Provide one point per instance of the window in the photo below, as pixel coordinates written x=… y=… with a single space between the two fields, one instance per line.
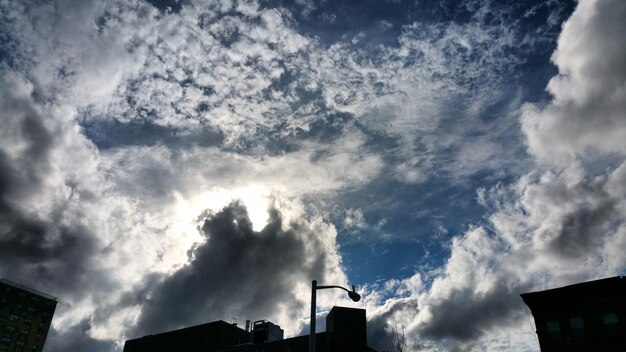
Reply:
x=609 y=318
x=554 y=330
x=553 y=326
x=576 y=323
x=610 y=324
x=578 y=327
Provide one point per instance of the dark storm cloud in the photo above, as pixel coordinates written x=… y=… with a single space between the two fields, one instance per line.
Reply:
x=465 y=315
x=381 y=328
x=42 y=244
x=23 y=235
x=50 y=254
x=25 y=173
x=583 y=229
x=37 y=242
x=239 y=273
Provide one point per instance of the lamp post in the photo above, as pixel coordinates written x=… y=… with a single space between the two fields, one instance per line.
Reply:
x=352 y=294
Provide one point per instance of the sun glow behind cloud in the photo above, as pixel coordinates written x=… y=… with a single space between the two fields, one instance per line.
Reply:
x=190 y=210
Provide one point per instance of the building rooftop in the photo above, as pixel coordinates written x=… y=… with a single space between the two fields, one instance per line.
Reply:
x=345 y=331
x=28 y=289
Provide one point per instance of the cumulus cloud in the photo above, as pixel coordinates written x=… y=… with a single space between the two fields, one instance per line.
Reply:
x=589 y=94
x=243 y=106
x=544 y=231
x=559 y=231
x=49 y=236
x=85 y=237
x=242 y=273
x=556 y=225
x=39 y=195
x=73 y=232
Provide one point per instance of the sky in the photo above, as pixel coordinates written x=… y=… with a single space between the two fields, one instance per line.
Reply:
x=168 y=163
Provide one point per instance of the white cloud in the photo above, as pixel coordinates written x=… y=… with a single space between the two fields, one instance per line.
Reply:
x=589 y=94
x=66 y=226
x=557 y=225
x=128 y=215
x=544 y=232
x=98 y=235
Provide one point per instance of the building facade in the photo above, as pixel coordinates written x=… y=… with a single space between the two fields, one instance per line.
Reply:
x=588 y=316
x=25 y=317
x=345 y=332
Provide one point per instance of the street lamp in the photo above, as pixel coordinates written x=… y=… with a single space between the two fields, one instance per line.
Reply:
x=352 y=294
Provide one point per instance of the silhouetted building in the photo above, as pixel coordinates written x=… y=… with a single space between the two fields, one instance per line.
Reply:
x=588 y=316
x=345 y=332
x=200 y=338
x=25 y=317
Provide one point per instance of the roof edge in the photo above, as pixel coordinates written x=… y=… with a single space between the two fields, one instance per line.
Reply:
x=28 y=289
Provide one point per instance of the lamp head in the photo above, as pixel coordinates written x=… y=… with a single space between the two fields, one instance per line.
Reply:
x=353 y=295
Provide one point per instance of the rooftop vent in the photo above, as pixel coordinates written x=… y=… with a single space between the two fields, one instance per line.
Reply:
x=266 y=331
